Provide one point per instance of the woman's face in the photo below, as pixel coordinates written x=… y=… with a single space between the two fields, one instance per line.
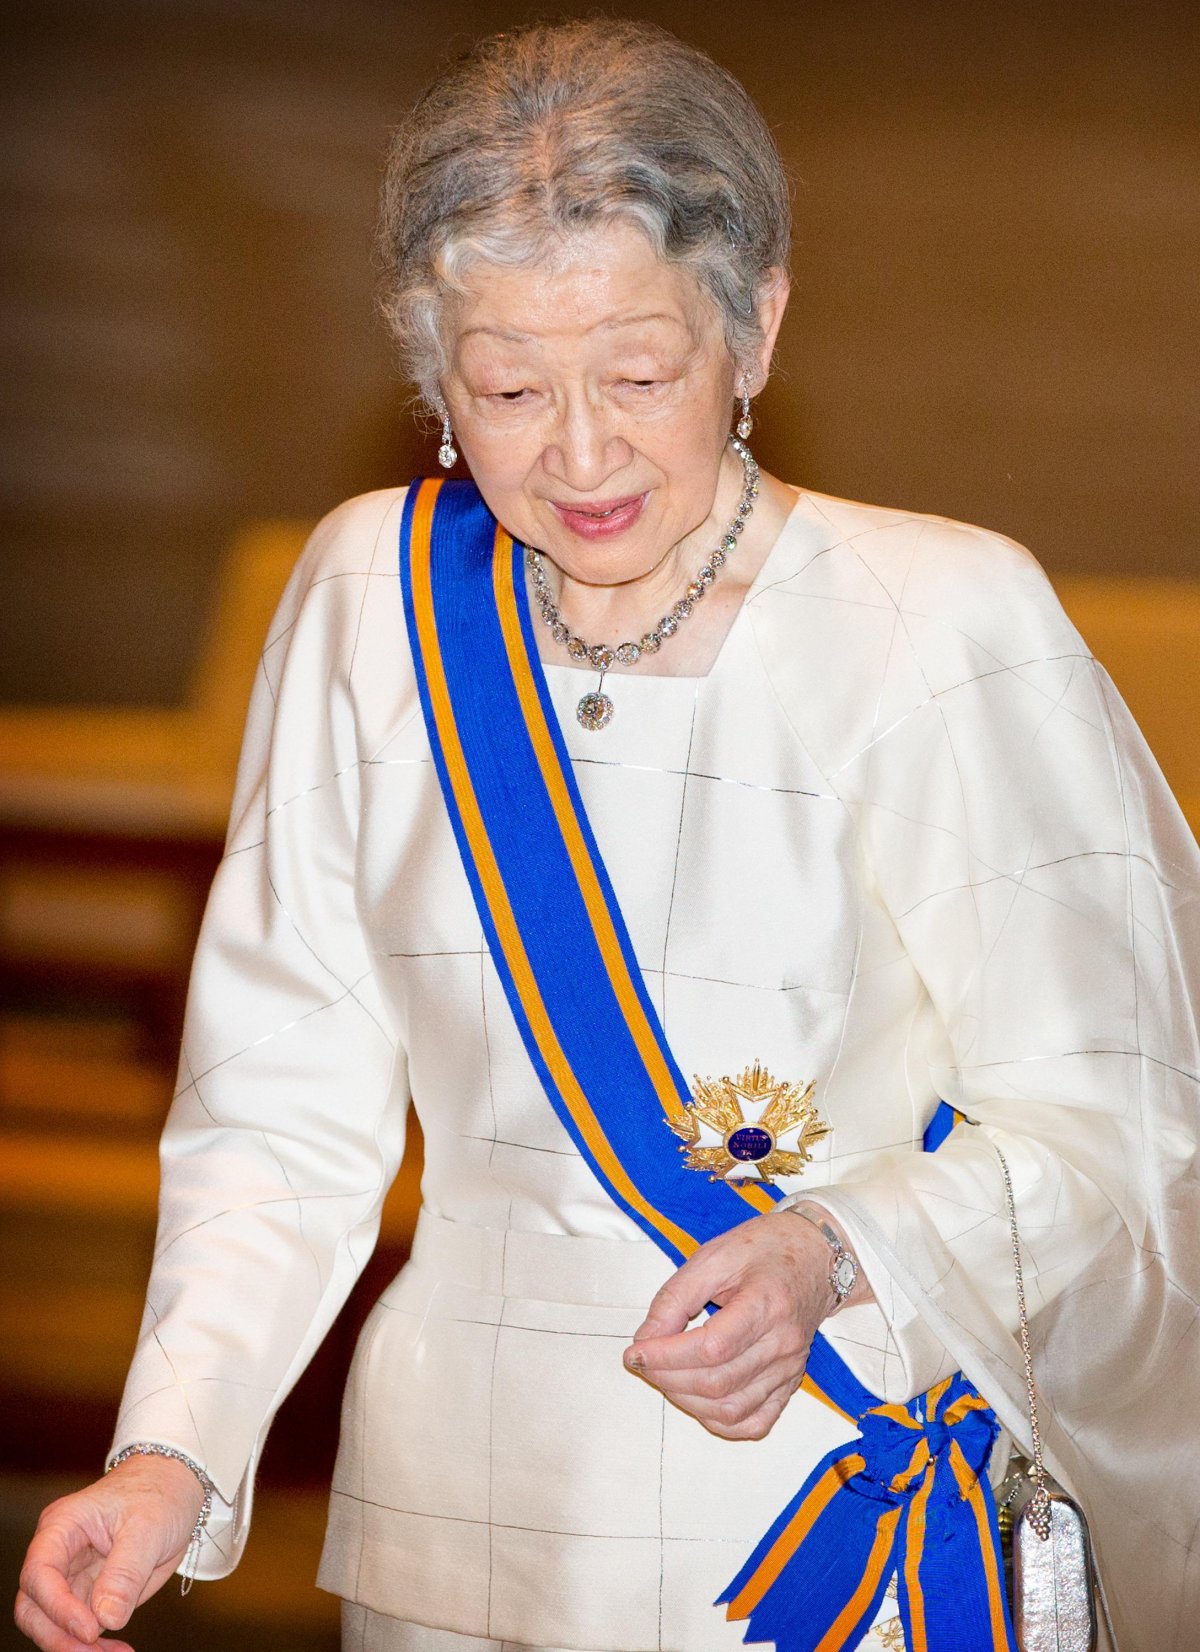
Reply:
x=591 y=397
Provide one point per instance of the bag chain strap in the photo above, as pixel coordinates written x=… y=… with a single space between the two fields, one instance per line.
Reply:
x=1038 y=1507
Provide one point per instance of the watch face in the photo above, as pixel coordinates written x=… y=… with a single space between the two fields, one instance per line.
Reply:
x=845 y=1272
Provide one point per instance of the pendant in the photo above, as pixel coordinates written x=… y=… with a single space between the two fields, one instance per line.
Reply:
x=734 y=1128
x=595 y=711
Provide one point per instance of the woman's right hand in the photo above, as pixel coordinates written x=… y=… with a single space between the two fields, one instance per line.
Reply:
x=101 y=1551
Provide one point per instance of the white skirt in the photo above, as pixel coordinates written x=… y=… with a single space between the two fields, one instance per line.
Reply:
x=502 y=1476
x=367 y=1631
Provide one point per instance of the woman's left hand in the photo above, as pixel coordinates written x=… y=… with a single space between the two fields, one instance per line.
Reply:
x=737 y=1371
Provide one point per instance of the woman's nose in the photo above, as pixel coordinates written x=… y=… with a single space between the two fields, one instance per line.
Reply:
x=585 y=450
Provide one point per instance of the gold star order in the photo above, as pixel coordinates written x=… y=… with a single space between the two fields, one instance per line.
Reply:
x=734 y=1128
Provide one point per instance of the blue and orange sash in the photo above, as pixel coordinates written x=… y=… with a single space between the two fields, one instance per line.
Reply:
x=910 y=1497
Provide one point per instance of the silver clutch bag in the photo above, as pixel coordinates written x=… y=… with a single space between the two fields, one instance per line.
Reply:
x=1054 y=1598
x=1051 y=1581
x=1053 y=1577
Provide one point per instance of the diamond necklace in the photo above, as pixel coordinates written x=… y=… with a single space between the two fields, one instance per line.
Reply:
x=595 y=710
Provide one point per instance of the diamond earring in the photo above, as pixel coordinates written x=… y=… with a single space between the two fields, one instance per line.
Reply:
x=447 y=453
x=745 y=424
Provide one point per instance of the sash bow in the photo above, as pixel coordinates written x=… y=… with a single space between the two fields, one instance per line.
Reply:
x=897 y=1462
x=905 y=1499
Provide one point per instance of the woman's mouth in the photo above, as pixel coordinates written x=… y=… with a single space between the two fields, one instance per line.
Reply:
x=602 y=520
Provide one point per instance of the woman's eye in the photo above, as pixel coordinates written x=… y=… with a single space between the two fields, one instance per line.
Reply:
x=638 y=389
x=507 y=395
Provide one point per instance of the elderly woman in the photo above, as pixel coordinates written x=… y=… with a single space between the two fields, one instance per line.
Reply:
x=644 y=763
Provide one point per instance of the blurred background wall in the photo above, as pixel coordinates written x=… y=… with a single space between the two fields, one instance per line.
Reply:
x=998 y=238
x=995 y=317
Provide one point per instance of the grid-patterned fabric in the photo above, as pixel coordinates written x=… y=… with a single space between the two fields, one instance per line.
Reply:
x=890 y=844
x=367 y=1631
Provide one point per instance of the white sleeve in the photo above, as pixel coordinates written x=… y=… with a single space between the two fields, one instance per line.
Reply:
x=288 y=1125
x=1043 y=882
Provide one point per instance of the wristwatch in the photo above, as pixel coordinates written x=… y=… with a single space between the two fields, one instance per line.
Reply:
x=843 y=1270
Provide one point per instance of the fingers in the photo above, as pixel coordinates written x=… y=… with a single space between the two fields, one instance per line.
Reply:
x=708 y=1276
x=748 y=1414
x=99 y=1551
x=50 y=1636
x=737 y=1371
x=122 y=1580
x=674 y=1307
x=737 y=1410
x=734 y=1375
x=757 y=1425
x=782 y=1351
x=758 y=1312
x=58 y=1553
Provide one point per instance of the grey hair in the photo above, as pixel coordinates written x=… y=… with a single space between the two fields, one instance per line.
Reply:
x=555 y=127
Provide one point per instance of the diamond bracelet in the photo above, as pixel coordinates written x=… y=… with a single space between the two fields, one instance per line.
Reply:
x=145 y=1448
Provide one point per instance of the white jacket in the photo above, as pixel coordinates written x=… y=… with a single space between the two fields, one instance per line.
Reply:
x=902 y=840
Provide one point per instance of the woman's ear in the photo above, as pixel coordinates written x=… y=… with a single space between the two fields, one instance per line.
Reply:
x=772 y=302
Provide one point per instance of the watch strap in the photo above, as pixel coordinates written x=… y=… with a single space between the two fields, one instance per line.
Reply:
x=843 y=1270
